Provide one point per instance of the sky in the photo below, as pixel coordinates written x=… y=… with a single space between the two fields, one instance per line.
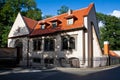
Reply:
x=50 y=7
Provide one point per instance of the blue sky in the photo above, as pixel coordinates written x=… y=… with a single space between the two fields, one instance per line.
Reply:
x=103 y=6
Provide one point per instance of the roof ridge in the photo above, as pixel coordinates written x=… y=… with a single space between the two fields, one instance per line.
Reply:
x=28 y=23
x=29 y=18
x=88 y=8
x=63 y=26
x=61 y=14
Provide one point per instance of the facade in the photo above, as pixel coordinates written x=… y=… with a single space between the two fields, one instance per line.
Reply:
x=68 y=40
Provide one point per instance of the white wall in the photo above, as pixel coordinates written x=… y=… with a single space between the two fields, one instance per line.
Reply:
x=24 y=41
x=19 y=27
x=97 y=51
x=58 y=53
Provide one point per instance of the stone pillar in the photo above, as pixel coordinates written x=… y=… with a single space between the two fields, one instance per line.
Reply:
x=42 y=50
x=57 y=49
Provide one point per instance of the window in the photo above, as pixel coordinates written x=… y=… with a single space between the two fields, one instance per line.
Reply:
x=72 y=43
x=49 y=44
x=37 y=60
x=70 y=21
x=34 y=45
x=68 y=43
x=43 y=26
x=37 y=44
x=64 y=43
x=54 y=24
x=49 y=61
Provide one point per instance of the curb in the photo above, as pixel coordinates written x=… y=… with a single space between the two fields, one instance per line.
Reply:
x=88 y=69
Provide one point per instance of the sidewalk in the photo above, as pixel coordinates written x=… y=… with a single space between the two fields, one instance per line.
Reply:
x=26 y=70
x=87 y=69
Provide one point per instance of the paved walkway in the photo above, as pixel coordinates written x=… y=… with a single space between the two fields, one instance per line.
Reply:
x=25 y=70
x=88 y=69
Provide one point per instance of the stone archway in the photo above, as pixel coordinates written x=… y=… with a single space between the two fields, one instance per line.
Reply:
x=19 y=46
x=74 y=62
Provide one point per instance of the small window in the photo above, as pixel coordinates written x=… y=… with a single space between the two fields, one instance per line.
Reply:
x=70 y=21
x=54 y=24
x=37 y=60
x=43 y=26
x=49 y=61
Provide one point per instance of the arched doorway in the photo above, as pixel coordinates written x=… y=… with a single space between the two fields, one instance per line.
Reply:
x=19 y=46
x=74 y=62
x=62 y=62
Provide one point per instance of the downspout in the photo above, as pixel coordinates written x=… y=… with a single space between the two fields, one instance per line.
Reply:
x=90 y=46
x=84 y=47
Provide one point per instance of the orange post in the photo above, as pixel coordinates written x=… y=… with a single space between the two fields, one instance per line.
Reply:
x=106 y=47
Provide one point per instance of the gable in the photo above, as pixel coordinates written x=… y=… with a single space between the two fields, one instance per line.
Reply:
x=19 y=27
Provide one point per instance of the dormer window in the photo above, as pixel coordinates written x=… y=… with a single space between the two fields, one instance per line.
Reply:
x=43 y=26
x=70 y=21
x=54 y=24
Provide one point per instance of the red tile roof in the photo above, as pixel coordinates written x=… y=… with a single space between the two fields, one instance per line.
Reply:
x=112 y=53
x=30 y=23
x=78 y=23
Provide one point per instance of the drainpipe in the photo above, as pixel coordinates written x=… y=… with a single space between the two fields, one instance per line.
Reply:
x=90 y=47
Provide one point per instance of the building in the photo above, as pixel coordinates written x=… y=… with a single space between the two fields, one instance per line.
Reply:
x=69 y=40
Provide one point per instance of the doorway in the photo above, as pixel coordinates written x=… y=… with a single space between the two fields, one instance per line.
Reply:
x=19 y=46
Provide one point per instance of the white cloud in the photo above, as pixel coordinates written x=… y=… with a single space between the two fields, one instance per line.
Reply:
x=116 y=13
x=100 y=24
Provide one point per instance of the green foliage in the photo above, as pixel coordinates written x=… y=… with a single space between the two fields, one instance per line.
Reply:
x=5 y=36
x=34 y=14
x=2 y=2
x=110 y=30
x=27 y=7
x=62 y=10
x=47 y=16
x=8 y=12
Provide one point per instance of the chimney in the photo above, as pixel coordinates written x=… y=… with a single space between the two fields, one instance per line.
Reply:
x=69 y=12
x=106 y=47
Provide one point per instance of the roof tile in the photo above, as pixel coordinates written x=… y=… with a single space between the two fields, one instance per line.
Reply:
x=30 y=23
x=79 y=23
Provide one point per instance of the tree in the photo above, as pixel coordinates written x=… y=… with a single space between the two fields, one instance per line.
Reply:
x=110 y=30
x=34 y=14
x=47 y=16
x=2 y=2
x=62 y=10
x=9 y=11
x=4 y=36
x=26 y=7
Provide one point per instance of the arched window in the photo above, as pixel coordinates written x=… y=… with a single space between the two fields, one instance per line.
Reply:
x=64 y=43
x=68 y=43
x=72 y=43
